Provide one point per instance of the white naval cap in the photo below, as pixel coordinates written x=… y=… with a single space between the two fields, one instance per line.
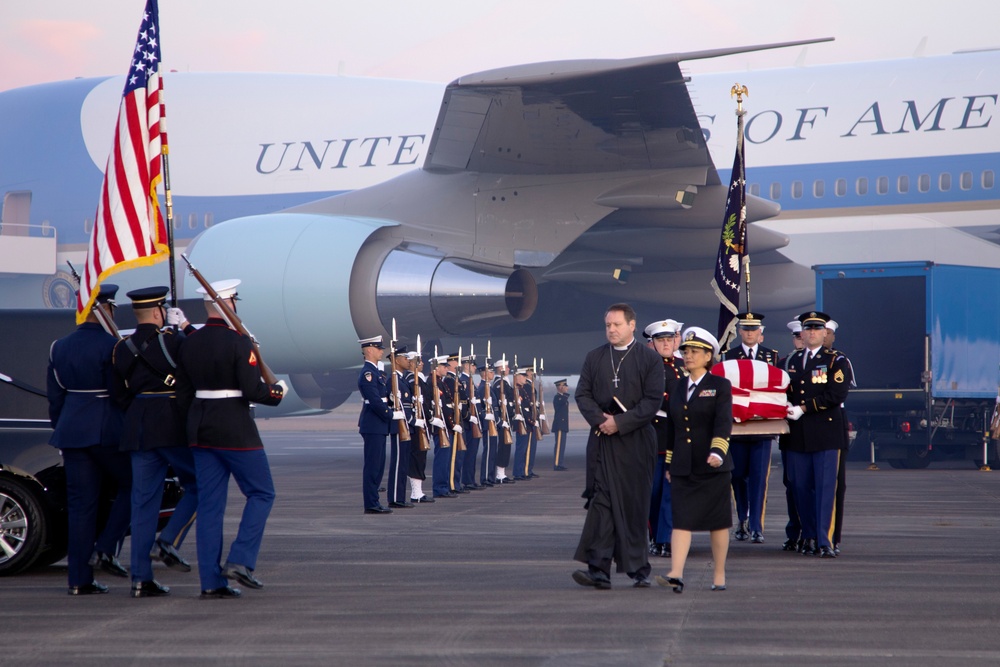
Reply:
x=795 y=326
x=832 y=325
x=698 y=337
x=662 y=328
x=224 y=288
x=412 y=354
x=374 y=341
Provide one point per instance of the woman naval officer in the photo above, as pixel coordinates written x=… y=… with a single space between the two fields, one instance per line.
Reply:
x=698 y=461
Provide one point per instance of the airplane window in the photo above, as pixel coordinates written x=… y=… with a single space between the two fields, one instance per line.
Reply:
x=840 y=187
x=903 y=184
x=862 y=185
x=755 y=189
x=924 y=182
x=988 y=179
x=944 y=182
x=209 y=220
x=796 y=189
x=965 y=180
x=192 y=221
x=882 y=185
x=819 y=188
x=86 y=226
x=775 y=191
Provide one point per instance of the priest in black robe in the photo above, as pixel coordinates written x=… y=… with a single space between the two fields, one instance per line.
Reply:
x=620 y=390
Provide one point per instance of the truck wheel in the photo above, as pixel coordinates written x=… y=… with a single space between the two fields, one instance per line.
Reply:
x=917 y=459
x=22 y=527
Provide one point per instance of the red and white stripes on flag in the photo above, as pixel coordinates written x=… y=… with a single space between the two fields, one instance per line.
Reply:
x=758 y=388
x=128 y=228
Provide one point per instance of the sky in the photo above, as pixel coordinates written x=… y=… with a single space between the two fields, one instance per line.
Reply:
x=440 y=40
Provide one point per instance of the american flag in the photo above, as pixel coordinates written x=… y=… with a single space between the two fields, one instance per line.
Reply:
x=128 y=228
x=758 y=388
x=733 y=254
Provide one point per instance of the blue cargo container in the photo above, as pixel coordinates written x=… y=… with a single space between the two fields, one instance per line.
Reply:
x=924 y=340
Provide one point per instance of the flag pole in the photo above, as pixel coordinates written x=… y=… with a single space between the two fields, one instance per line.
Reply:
x=739 y=91
x=168 y=197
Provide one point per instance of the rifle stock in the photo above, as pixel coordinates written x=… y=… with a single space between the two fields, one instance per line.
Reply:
x=418 y=411
x=438 y=413
x=491 y=425
x=233 y=320
x=459 y=439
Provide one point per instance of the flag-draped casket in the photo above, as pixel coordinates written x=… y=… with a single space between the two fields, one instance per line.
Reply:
x=759 y=398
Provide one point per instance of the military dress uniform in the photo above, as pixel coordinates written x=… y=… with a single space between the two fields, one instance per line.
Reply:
x=470 y=424
x=225 y=376
x=560 y=426
x=488 y=415
x=751 y=462
x=399 y=450
x=661 y=522
x=154 y=436
x=417 y=471
x=522 y=441
x=504 y=393
x=819 y=384
x=87 y=427
x=375 y=423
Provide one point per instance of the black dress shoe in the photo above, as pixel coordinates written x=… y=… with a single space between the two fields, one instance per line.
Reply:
x=149 y=589
x=378 y=509
x=595 y=579
x=742 y=533
x=809 y=548
x=242 y=574
x=533 y=476
x=487 y=483
x=826 y=552
x=422 y=499
x=560 y=468
x=756 y=537
x=221 y=593
x=836 y=548
x=506 y=480
x=520 y=478
x=400 y=504
x=642 y=581
x=446 y=495
x=167 y=554
x=718 y=588
x=667 y=553
x=108 y=563
x=93 y=588
x=655 y=549
x=677 y=584
x=460 y=490
x=790 y=545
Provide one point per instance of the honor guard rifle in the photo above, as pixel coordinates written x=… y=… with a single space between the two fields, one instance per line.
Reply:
x=232 y=319
x=477 y=431
x=397 y=402
x=423 y=443
x=438 y=413
x=504 y=406
x=106 y=321
x=457 y=439
x=543 y=421
x=491 y=424
x=534 y=400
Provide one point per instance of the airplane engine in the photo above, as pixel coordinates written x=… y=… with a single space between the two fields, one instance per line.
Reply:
x=312 y=284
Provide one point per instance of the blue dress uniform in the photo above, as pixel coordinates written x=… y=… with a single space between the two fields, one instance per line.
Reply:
x=87 y=425
x=462 y=399
x=751 y=463
x=491 y=407
x=819 y=384
x=154 y=436
x=534 y=431
x=468 y=477
x=505 y=401
x=441 y=474
x=661 y=522
x=560 y=425
x=225 y=376
x=522 y=441
x=399 y=450
x=417 y=471
x=375 y=423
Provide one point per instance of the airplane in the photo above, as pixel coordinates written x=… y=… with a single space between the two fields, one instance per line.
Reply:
x=513 y=205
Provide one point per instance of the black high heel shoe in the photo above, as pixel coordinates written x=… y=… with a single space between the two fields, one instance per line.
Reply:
x=678 y=584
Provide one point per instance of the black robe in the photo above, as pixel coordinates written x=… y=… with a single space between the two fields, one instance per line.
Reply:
x=621 y=465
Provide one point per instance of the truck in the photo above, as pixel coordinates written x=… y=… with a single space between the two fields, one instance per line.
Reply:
x=924 y=342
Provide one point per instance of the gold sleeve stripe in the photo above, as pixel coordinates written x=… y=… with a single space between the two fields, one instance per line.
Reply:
x=721 y=443
x=670 y=456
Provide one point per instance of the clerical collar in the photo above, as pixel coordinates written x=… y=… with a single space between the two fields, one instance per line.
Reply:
x=622 y=348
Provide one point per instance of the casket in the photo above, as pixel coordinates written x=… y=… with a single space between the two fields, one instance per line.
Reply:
x=759 y=396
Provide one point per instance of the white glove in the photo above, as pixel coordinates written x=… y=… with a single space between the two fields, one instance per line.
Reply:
x=542 y=417
x=474 y=419
x=457 y=429
x=437 y=421
x=795 y=411
x=175 y=316
x=280 y=383
x=489 y=417
x=519 y=418
x=476 y=401
x=398 y=414
x=420 y=423
x=504 y=425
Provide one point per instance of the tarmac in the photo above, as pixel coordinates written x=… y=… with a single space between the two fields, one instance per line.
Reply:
x=484 y=579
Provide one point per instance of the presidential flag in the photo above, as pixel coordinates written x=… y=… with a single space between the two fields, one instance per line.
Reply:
x=733 y=255
x=128 y=228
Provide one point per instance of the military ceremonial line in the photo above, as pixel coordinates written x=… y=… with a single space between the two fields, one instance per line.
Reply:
x=483 y=433
x=665 y=459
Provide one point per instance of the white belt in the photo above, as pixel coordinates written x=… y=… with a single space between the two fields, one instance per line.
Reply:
x=218 y=393
x=384 y=400
x=661 y=413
